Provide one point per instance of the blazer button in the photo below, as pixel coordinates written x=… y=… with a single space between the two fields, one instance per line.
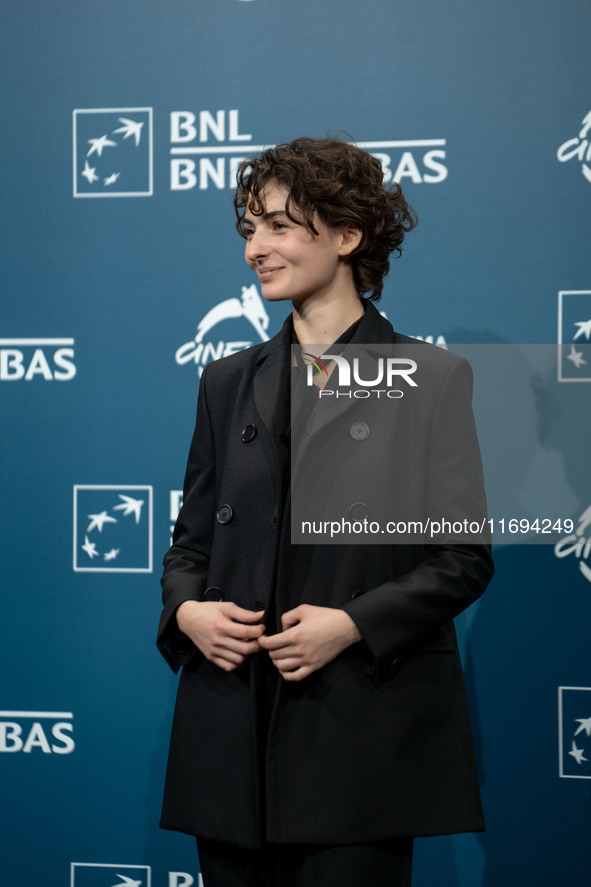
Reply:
x=225 y=514
x=359 y=431
x=248 y=432
x=358 y=511
x=396 y=663
x=357 y=593
x=213 y=593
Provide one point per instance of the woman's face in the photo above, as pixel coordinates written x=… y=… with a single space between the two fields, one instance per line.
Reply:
x=290 y=261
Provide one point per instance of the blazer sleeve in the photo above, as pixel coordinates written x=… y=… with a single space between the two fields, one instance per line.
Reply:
x=186 y=563
x=402 y=615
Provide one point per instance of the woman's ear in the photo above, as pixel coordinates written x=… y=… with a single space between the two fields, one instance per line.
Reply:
x=351 y=235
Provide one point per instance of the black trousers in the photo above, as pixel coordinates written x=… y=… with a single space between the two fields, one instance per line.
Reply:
x=379 y=864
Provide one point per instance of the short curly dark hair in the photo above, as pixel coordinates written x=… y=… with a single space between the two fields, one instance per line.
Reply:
x=342 y=183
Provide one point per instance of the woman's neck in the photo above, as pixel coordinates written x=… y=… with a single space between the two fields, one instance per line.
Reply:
x=323 y=323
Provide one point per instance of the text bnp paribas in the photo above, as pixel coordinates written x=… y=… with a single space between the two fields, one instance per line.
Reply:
x=206 y=148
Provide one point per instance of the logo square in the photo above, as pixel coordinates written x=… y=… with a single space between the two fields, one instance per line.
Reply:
x=574 y=336
x=113 y=529
x=574 y=732
x=112 y=152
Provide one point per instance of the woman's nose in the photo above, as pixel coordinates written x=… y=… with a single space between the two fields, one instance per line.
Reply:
x=256 y=247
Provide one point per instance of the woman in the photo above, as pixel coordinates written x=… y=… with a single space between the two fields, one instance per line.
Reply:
x=321 y=720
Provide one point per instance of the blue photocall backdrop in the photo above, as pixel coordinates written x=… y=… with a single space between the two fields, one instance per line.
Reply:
x=122 y=275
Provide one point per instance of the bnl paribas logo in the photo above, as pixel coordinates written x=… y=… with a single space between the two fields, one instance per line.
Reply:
x=574 y=732
x=112 y=528
x=47 y=732
x=574 y=336
x=112 y=152
x=101 y=874
x=92 y=874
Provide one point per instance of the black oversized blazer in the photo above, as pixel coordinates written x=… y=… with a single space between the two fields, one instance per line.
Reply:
x=377 y=743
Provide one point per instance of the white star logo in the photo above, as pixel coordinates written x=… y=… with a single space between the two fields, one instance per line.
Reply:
x=112 y=178
x=576 y=357
x=127 y=882
x=99 y=521
x=130 y=128
x=584 y=329
x=112 y=554
x=89 y=172
x=578 y=753
x=129 y=506
x=585 y=724
x=89 y=548
x=98 y=145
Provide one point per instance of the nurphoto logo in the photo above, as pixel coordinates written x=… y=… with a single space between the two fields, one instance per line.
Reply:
x=372 y=371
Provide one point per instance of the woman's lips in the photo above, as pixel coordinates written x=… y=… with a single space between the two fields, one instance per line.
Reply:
x=268 y=273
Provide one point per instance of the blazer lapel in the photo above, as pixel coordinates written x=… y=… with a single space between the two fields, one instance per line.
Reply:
x=271 y=385
x=372 y=330
x=270 y=391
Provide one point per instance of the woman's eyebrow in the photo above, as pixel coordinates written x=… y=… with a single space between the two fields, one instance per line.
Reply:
x=274 y=214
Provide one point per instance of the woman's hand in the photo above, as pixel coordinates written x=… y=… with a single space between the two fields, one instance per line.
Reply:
x=311 y=637
x=224 y=632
